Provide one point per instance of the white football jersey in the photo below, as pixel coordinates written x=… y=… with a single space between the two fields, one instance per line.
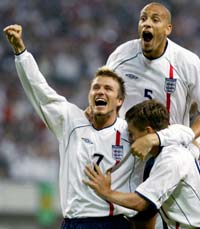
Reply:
x=174 y=187
x=81 y=144
x=173 y=79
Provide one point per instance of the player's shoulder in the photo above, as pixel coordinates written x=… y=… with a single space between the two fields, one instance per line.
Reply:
x=177 y=156
x=177 y=152
x=75 y=114
x=124 y=51
x=182 y=54
x=128 y=46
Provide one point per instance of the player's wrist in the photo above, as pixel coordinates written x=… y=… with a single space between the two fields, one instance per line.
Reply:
x=153 y=139
x=19 y=52
x=19 y=49
x=107 y=194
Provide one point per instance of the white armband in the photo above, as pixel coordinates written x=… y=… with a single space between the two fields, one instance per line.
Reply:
x=176 y=134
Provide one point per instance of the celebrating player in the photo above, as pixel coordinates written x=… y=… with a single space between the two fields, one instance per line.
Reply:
x=153 y=66
x=103 y=140
x=174 y=182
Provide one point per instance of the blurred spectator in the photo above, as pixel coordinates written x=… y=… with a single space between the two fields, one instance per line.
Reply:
x=4 y=167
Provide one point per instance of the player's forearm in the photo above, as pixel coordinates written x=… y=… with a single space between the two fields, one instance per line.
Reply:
x=143 y=145
x=19 y=48
x=174 y=134
x=128 y=200
x=154 y=139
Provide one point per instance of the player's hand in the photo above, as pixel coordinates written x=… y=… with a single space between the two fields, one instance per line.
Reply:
x=143 y=145
x=89 y=114
x=13 y=34
x=98 y=181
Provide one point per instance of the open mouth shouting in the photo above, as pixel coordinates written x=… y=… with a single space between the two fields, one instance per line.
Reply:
x=99 y=102
x=100 y=106
x=147 y=41
x=147 y=36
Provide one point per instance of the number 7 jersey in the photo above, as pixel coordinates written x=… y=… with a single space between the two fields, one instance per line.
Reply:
x=80 y=144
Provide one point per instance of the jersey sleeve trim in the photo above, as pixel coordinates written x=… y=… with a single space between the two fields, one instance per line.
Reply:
x=152 y=205
x=18 y=54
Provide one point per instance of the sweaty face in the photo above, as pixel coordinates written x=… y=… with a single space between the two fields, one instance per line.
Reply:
x=103 y=96
x=154 y=26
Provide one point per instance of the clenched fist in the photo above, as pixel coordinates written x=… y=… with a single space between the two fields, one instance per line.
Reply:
x=14 y=36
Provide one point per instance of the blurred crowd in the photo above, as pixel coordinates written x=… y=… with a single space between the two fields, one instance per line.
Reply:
x=70 y=39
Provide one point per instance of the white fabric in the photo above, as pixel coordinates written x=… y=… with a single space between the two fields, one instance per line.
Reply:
x=78 y=144
x=174 y=184
x=146 y=79
x=176 y=133
x=195 y=150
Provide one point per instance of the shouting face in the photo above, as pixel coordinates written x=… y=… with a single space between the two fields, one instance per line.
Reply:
x=154 y=27
x=104 y=98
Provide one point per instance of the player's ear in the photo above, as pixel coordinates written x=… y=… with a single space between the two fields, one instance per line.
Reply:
x=150 y=130
x=168 y=29
x=120 y=102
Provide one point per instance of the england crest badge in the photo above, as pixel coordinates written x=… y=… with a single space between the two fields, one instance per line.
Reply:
x=170 y=85
x=117 y=152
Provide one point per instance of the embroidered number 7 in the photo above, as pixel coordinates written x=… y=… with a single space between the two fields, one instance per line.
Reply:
x=100 y=158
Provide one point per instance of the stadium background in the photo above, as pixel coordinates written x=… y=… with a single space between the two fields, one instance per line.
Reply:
x=70 y=40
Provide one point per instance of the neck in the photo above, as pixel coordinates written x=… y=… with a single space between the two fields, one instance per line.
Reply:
x=158 y=53
x=155 y=151
x=103 y=121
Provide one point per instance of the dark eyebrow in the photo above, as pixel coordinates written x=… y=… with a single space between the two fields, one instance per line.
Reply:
x=94 y=84
x=108 y=86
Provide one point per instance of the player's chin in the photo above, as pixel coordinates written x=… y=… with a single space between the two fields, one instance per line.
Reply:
x=147 y=46
x=100 y=111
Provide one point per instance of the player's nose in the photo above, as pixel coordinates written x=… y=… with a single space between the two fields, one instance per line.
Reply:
x=147 y=23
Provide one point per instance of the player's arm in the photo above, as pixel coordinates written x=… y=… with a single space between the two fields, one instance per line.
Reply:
x=146 y=218
x=174 y=134
x=47 y=103
x=102 y=186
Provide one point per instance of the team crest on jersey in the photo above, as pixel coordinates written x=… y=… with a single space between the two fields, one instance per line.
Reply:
x=117 y=152
x=170 y=85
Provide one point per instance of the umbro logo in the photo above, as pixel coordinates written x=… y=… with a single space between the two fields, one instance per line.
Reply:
x=87 y=140
x=131 y=76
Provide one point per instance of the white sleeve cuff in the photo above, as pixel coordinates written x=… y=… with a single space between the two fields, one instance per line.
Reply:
x=21 y=56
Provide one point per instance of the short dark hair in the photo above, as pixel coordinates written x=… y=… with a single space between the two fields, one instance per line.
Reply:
x=148 y=113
